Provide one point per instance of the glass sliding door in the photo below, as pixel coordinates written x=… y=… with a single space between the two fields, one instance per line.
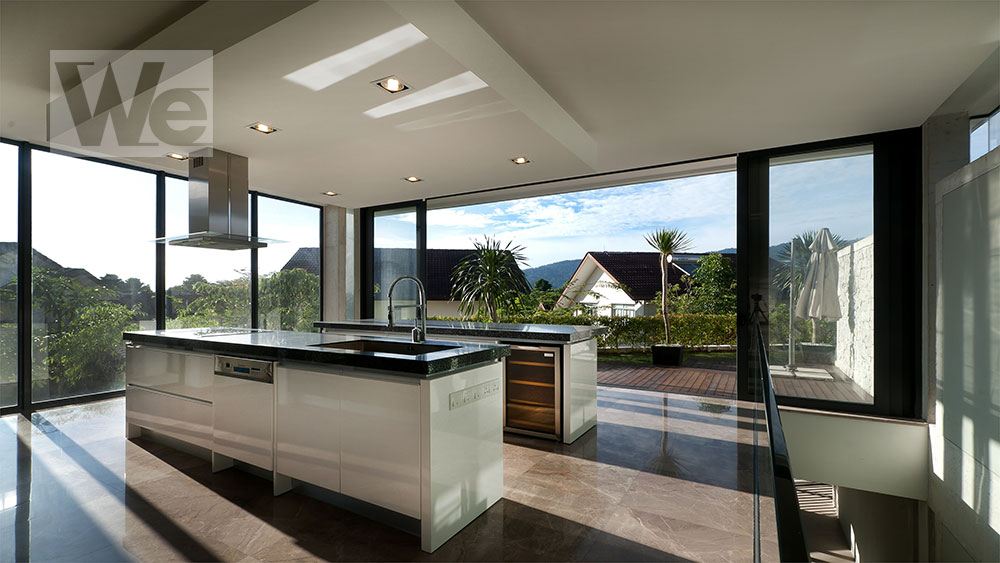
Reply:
x=8 y=274
x=289 y=279
x=395 y=237
x=93 y=269
x=205 y=287
x=821 y=274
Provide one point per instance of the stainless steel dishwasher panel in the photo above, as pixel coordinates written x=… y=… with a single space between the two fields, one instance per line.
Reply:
x=243 y=410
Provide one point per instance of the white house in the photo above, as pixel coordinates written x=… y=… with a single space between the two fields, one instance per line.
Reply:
x=624 y=283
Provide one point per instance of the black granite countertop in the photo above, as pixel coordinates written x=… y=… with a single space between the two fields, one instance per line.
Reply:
x=561 y=334
x=306 y=347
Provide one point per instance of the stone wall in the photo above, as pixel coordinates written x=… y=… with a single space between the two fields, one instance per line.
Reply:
x=856 y=327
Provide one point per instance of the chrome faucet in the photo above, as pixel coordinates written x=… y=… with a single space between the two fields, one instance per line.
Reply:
x=419 y=331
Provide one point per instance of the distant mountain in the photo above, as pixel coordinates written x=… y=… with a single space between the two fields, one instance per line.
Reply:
x=557 y=273
x=771 y=251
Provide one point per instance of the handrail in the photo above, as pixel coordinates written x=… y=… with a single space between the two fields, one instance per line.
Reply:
x=788 y=520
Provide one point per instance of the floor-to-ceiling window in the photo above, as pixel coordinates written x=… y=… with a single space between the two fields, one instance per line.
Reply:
x=205 y=286
x=288 y=286
x=93 y=269
x=8 y=274
x=822 y=276
x=395 y=243
x=831 y=236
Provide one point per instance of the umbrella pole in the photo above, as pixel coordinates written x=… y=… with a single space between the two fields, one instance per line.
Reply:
x=791 y=306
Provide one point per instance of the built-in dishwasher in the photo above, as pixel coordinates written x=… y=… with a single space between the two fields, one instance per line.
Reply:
x=532 y=391
x=243 y=411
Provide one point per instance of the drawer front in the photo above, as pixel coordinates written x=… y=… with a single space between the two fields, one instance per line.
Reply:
x=184 y=419
x=182 y=373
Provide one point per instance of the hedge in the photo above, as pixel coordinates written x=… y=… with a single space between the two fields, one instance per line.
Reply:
x=629 y=332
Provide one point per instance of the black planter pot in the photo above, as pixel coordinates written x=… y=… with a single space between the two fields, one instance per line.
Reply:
x=667 y=354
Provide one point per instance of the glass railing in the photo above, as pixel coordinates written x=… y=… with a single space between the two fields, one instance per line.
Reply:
x=778 y=529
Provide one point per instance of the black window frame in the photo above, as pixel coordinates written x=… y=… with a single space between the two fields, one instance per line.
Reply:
x=25 y=405
x=898 y=231
x=366 y=241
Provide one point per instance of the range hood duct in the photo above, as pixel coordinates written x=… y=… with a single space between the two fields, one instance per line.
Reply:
x=218 y=188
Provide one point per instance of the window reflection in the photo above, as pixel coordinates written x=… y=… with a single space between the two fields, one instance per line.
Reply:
x=821 y=322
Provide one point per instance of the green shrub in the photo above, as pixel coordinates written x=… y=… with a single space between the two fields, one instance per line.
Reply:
x=627 y=332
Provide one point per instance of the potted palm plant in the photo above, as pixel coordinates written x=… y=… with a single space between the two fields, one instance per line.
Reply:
x=667 y=242
x=489 y=279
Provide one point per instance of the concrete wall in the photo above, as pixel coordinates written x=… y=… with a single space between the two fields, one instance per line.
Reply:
x=879 y=527
x=879 y=455
x=856 y=327
x=964 y=485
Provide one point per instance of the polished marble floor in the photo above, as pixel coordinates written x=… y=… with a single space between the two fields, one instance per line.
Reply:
x=662 y=477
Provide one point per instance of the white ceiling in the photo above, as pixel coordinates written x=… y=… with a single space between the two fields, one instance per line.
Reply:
x=578 y=87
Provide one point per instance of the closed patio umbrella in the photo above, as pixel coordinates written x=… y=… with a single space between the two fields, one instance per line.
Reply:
x=818 y=299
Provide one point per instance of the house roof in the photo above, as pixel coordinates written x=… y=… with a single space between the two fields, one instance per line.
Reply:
x=639 y=272
x=306 y=258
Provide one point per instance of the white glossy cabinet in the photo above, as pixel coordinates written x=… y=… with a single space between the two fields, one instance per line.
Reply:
x=243 y=420
x=307 y=426
x=169 y=392
x=187 y=374
x=189 y=420
x=380 y=442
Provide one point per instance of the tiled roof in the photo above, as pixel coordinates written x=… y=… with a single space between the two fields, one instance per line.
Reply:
x=640 y=273
x=305 y=258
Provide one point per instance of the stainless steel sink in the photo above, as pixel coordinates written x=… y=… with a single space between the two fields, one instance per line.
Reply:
x=388 y=347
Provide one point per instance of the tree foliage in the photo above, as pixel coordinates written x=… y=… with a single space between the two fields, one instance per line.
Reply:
x=489 y=279
x=289 y=300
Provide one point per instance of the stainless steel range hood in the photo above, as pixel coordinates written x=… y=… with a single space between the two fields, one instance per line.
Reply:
x=218 y=215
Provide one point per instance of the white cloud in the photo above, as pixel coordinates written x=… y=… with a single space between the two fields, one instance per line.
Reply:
x=452 y=217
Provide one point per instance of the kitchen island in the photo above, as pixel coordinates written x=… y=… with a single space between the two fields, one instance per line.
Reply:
x=575 y=364
x=413 y=431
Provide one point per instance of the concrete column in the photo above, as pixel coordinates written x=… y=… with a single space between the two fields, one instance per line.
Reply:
x=339 y=264
x=946 y=149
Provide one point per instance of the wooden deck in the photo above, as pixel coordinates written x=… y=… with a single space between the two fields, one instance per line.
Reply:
x=691 y=381
x=721 y=383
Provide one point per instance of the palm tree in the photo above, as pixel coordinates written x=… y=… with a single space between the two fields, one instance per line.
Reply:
x=489 y=278
x=667 y=242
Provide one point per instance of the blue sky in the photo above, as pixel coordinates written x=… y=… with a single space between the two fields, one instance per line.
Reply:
x=835 y=193
x=566 y=226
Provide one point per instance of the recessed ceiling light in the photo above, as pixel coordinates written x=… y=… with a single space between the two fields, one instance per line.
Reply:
x=177 y=156
x=520 y=160
x=330 y=193
x=412 y=179
x=262 y=128
x=391 y=84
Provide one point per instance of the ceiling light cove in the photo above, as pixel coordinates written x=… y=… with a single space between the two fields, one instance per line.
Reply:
x=412 y=179
x=391 y=84
x=447 y=88
x=262 y=128
x=177 y=156
x=331 y=70
x=331 y=194
x=520 y=160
